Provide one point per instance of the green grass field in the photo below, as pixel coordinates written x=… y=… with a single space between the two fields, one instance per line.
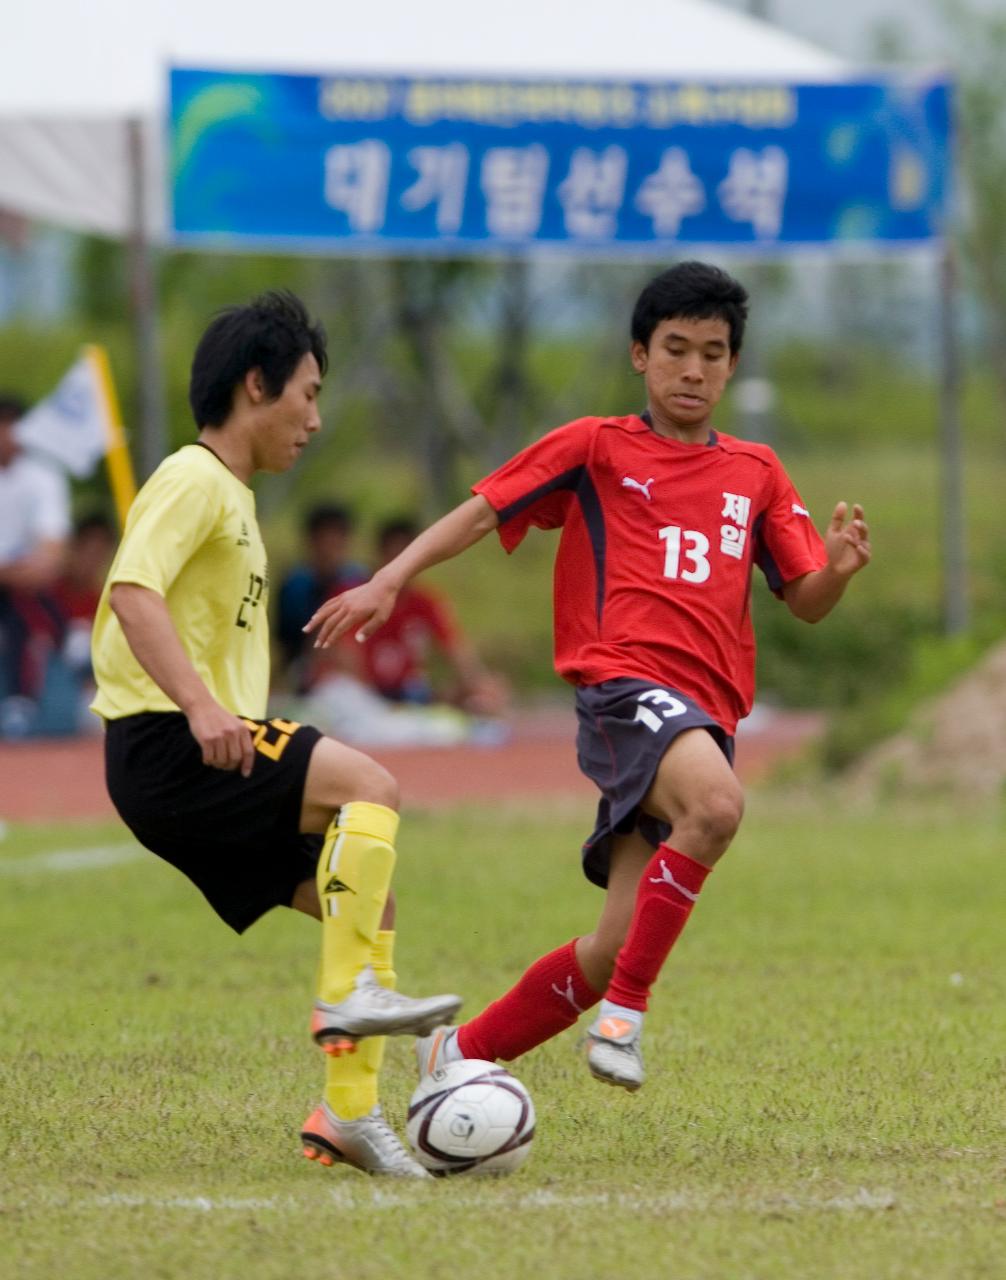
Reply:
x=827 y=1056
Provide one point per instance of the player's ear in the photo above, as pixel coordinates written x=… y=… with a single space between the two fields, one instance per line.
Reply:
x=732 y=363
x=638 y=354
x=254 y=385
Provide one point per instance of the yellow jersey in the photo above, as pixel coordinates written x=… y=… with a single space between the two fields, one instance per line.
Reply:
x=191 y=536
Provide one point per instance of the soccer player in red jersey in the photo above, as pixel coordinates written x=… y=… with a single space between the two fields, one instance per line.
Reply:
x=663 y=519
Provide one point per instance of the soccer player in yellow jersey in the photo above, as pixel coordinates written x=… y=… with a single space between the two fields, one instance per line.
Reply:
x=257 y=813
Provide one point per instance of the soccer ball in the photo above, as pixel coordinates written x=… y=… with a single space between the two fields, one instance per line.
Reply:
x=470 y=1117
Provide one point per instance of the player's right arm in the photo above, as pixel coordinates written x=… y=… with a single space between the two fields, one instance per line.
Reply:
x=146 y=623
x=363 y=609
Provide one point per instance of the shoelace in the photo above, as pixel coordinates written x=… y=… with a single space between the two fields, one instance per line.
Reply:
x=389 y=1143
x=383 y=995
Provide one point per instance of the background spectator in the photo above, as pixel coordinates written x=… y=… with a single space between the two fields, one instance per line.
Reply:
x=326 y=570
x=75 y=593
x=396 y=658
x=34 y=523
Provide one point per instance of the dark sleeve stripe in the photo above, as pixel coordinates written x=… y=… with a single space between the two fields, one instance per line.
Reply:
x=577 y=480
x=566 y=480
x=766 y=562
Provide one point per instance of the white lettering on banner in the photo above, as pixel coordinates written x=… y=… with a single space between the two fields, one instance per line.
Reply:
x=443 y=174
x=356 y=182
x=736 y=507
x=671 y=194
x=754 y=189
x=513 y=181
x=591 y=194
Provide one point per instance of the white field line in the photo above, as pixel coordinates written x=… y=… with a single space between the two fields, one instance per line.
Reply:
x=61 y=860
x=862 y=1199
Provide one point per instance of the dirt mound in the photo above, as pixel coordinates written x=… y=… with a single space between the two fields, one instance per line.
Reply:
x=953 y=745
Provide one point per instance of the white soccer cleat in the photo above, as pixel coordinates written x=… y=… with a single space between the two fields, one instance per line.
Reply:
x=613 y=1051
x=436 y=1050
x=368 y=1144
x=373 y=1010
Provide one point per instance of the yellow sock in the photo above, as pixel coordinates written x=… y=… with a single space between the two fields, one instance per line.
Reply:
x=354 y=875
x=351 y=1081
x=382 y=958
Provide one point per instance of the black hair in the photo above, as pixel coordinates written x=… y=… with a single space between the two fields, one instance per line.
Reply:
x=691 y=291
x=11 y=408
x=272 y=333
x=397 y=527
x=328 y=515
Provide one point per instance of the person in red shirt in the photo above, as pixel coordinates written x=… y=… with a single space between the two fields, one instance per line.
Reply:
x=394 y=659
x=663 y=519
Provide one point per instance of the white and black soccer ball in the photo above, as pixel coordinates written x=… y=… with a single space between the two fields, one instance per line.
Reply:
x=470 y=1117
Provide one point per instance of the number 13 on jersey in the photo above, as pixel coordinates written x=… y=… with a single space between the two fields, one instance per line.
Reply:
x=686 y=553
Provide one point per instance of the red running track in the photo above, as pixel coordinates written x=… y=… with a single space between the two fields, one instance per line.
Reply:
x=62 y=780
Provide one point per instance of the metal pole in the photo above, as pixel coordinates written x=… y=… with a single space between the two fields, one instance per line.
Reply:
x=150 y=430
x=956 y=604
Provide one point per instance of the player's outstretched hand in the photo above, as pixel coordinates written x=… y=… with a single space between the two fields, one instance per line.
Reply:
x=360 y=610
x=225 y=740
x=848 y=544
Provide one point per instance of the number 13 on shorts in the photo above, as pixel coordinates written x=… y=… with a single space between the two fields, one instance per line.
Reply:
x=657 y=705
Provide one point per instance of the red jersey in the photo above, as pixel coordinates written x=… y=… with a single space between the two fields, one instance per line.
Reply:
x=653 y=570
x=396 y=653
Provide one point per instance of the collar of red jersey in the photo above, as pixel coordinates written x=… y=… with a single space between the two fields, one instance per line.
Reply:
x=647 y=425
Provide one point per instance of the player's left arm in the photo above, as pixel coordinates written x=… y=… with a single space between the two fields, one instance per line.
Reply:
x=847 y=543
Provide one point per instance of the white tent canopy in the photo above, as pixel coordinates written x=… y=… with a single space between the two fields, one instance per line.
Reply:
x=71 y=74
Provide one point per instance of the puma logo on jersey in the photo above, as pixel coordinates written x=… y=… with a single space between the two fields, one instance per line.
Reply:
x=644 y=489
x=799 y=511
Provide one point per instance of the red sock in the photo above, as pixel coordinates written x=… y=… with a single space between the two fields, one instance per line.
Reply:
x=667 y=891
x=547 y=999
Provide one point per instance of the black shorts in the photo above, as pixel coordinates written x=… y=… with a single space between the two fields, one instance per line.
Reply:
x=237 y=839
x=625 y=727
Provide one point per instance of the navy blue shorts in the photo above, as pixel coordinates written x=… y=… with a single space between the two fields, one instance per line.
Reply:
x=625 y=727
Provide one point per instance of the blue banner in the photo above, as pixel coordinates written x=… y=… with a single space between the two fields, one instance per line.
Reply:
x=461 y=166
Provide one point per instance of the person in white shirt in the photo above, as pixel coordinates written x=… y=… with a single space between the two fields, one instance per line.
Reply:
x=34 y=525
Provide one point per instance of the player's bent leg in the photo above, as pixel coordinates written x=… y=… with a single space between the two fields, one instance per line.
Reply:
x=354 y=873
x=547 y=999
x=351 y=1081
x=348 y=1126
x=696 y=792
x=614 y=1054
x=352 y=886
x=338 y=775
x=557 y=988
x=597 y=951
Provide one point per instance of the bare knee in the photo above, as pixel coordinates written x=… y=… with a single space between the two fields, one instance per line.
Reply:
x=375 y=785
x=338 y=775
x=710 y=823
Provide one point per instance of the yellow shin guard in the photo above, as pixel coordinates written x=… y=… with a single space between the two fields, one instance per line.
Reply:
x=351 y=1080
x=354 y=875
